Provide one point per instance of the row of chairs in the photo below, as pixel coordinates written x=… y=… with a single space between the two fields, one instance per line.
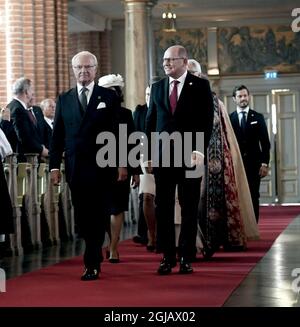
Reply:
x=42 y=213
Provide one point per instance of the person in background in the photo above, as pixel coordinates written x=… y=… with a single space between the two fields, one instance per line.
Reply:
x=6 y=219
x=120 y=189
x=82 y=113
x=147 y=183
x=48 y=108
x=28 y=120
x=252 y=135
x=227 y=217
x=6 y=124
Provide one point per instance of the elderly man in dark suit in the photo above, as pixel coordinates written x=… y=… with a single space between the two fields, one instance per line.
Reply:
x=81 y=114
x=181 y=103
x=253 y=139
x=28 y=120
x=48 y=108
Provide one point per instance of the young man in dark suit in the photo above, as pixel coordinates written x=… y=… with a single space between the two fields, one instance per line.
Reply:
x=253 y=139
x=81 y=114
x=180 y=103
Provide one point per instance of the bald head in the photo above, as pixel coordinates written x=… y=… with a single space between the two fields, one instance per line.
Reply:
x=175 y=61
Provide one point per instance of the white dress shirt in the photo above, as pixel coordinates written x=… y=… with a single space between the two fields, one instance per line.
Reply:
x=181 y=81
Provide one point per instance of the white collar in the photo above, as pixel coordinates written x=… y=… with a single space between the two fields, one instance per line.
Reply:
x=90 y=87
x=49 y=121
x=180 y=79
x=239 y=110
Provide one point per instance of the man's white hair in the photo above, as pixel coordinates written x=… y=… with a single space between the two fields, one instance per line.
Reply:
x=84 y=53
x=194 y=66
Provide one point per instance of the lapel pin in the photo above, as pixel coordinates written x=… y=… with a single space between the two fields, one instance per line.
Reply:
x=191 y=83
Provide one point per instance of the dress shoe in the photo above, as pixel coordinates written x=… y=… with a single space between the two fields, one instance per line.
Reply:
x=90 y=274
x=138 y=239
x=234 y=248
x=150 y=248
x=165 y=266
x=185 y=267
x=114 y=260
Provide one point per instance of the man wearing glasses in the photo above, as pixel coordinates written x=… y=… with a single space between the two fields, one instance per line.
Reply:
x=179 y=103
x=81 y=114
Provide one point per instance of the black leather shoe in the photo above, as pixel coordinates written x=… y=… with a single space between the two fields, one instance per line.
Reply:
x=165 y=266
x=185 y=267
x=90 y=274
x=140 y=240
x=150 y=248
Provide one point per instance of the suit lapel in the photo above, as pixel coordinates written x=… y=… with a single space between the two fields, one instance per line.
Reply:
x=250 y=118
x=185 y=87
x=166 y=94
x=95 y=99
x=74 y=101
x=235 y=121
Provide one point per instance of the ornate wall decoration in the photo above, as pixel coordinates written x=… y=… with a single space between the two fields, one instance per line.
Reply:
x=256 y=48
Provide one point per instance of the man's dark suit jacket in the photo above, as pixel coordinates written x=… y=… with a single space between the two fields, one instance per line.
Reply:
x=31 y=138
x=255 y=144
x=194 y=110
x=139 y=117
x=75 y=133
x=48 y=134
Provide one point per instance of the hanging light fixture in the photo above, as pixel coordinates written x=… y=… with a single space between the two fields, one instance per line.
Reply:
x=169 y=20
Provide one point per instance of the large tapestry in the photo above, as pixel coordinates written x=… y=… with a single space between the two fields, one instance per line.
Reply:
x=257 y=48
x=194 y=40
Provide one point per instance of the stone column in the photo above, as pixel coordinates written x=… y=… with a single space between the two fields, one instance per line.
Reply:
x=151 y=52
x=136 y=51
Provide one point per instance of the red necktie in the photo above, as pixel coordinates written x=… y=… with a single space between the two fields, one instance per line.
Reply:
x=31 y=116
x=173 y=96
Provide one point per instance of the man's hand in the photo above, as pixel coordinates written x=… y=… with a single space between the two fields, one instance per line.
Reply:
x=122 y=174
x=263 y=171
x=44 y=152
x=197 y=159
x=5 y=114
x=148 y=167
x=55 y=177
x=135 y=181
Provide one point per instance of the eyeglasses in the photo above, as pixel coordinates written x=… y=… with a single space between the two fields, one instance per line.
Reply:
x=86 y=67
x=171 y=59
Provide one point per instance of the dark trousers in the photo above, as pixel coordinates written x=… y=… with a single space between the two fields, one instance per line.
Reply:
x=252 y=172
x=92 y=212
x=142 y=226
x=166 y=180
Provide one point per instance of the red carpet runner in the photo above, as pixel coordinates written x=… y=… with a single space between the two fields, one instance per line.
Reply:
x=134 y=282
